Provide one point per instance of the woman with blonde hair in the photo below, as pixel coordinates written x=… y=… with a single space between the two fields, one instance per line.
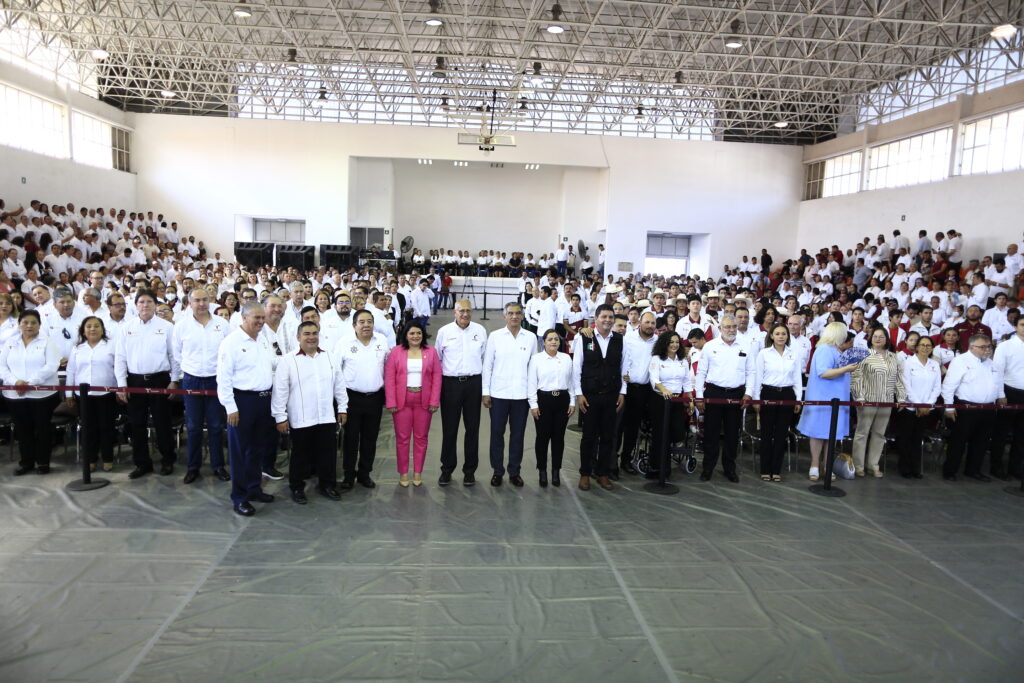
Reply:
x=826 y=380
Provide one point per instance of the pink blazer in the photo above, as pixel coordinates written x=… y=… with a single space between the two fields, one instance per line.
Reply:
x=396 y=377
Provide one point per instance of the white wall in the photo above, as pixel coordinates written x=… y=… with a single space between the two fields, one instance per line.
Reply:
x=985 y=208
x=371 y=194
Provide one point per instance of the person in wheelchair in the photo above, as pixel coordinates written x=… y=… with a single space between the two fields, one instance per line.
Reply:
x=671 y=378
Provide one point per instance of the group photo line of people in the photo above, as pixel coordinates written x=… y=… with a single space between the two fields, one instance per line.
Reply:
x=316 y=358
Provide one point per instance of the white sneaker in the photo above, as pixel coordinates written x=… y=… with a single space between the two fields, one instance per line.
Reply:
x=813 y=474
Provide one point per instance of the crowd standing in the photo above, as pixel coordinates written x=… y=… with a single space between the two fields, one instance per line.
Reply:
x=124 y=300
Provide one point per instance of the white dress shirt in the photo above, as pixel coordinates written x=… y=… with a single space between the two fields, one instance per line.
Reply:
x=333 y=329
x=144 y=348
x=1009 y=365
x=63 y=331
x=382 y=325
x=280 y=340
x=577 y=359
x=195 y=345
x=461 y=350
x=93 y=365
x=723 y=365
x=506 y=360
x=243 y=363
x=802 y=346
x=776 y=369
x=419 y=302
x=923 y=383
x=549 y=373
x=637 y=357
x=305 y=389
x=672 y=373
x=363 y=364
x=970 y=379
x=36 y=363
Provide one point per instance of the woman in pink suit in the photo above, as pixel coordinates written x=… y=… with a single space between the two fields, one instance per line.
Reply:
x=412 y=390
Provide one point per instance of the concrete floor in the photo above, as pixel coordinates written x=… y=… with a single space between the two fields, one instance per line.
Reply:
x=157 y=581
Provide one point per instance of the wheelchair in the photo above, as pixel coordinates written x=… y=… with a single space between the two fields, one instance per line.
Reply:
x=682 y=453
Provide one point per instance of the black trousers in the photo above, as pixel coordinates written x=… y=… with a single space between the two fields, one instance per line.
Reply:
x=97 y=415
x=460 y=402
x=597 y=447
x=140 y=407
x=668 y=425
x=973 y=429
x=718 y=417
x=314 y=452
x=1009 y=424
x=909 y=437
x=550 y=428
x=361 y=429
x=775 y=422
x=638 y=399
x=32 y=428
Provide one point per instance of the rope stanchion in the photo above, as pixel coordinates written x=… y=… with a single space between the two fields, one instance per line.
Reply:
x=826 y=489
x=86 y=483
x=661 y=486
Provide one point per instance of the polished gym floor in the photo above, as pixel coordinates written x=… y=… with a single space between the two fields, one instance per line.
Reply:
x=154 y=580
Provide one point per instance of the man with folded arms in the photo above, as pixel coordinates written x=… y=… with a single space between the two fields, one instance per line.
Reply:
x=307 y=384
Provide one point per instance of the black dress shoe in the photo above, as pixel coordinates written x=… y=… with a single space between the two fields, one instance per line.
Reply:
x=166 y=469
x=21 y=471
x=627 y=467
x=191 y=476
x=515 y=480
x=365 y=480
x=328 y=492
x=262 y=498
x=43 y=469
x=614 y=474
x=273 y=473
x=222 y=474
x=139 y=472
x=444 y=479
x=468 y=479
x=556 y=480
x=542 y=478
x=705 y=476
x=496 y=480
x=733 y=477
x=979 y=477
x=245 y=509
x=299 y=497
x=348 y=482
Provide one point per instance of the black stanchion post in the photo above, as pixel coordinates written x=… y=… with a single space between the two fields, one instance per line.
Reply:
x=484 y=317
x=661 y=486
x=86 y=483
x=826 y=489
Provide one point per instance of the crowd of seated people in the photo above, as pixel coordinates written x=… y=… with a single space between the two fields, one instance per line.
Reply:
x=74 y=265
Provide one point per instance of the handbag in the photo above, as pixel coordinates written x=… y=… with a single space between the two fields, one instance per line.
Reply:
x=843 y=466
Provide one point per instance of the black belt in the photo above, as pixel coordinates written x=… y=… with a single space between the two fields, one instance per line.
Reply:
x=152 y=375
x=715 y=386
x=639 y=384
x=460 y=378
x=555 y=392
x=253 y=392
x=366 y=393
x=768 y=386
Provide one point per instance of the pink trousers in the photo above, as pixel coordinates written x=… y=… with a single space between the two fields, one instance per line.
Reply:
x=412 y=421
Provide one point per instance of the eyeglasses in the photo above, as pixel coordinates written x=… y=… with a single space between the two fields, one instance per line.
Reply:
x=982 y=346
x=277 y=349
x=67 y=335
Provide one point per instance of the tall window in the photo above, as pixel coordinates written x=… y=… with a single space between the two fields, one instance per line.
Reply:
x=279 y=230
x=32 y=123
x=668 y=253
x=835 y=176
x=90 y=141
x=918 y=159
x=993 y=144
x=366 y=237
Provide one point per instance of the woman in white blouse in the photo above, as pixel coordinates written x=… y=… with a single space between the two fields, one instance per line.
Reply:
x=30 y=359
x=8 y=319
x=670 y=377
x=92 y=362
x=777 y=377
x=922 y=380
x=552 y=402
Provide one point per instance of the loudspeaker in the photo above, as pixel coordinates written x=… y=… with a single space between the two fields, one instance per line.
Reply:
x=254 y=255
x=339 y=256
x=298 y=256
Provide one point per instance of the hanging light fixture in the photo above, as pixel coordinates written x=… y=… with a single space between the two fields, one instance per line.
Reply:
x=678 y=84
x=555 y=26
x=781 y=124
x=734 y=42
x=440 y=70
x=1004 y=32
x=639 y=113
x=321 y=99
x=292 y=64
x=99 y=54
x=522 y=104
x=242 y=10
x=168 y=94
x=433 y=19
x=536 y=78
x=444 y=103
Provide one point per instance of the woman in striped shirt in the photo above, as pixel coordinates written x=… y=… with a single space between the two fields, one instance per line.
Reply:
x=876 y=379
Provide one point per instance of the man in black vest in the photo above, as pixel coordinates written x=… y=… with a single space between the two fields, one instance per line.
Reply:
x=597 y=371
